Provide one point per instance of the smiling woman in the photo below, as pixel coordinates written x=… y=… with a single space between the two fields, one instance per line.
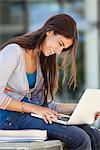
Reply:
x=55 y=43
x=28 y=77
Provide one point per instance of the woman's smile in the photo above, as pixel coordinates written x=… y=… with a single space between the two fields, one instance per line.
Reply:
x=55 y=43
x=50 y=52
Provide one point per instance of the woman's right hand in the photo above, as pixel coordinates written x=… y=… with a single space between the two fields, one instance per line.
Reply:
x=47 y=114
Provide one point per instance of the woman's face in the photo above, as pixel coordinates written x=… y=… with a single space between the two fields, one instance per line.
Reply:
x=54 y=43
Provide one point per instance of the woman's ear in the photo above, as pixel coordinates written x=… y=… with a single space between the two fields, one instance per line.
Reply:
x=49 y=33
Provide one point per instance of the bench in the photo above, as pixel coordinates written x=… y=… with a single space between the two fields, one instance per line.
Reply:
x=41 y=145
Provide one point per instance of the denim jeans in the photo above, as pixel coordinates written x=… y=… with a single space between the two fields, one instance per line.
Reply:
x=75 y=137
x=94 y=136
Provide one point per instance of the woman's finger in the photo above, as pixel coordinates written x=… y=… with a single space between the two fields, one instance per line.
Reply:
x=53 y=112
x=53 y=116
x=96 y=116
x=45 y=119
x=48 y=118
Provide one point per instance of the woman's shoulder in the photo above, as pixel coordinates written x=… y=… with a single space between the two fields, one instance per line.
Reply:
x=12 y=48
x=11 y=51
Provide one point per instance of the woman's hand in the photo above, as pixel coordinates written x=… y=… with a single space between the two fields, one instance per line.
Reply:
x=47 y=114
x=97 y=115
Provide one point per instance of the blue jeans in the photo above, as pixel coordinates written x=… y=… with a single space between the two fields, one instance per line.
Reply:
x=75 y=137
x=94 y=136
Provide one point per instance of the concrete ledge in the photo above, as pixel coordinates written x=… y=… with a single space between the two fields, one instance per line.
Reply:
x=41 y=145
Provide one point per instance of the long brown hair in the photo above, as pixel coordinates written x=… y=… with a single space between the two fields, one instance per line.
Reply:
x=64 y=25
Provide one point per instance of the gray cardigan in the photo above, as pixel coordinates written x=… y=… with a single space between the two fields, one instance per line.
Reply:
x=13 y=79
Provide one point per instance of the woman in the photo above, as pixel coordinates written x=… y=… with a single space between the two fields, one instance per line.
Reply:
x=28 y=75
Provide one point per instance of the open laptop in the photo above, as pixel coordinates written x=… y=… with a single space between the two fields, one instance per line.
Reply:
x=85 y=111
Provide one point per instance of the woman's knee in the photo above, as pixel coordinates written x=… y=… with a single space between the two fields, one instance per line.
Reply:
x=83 y=135
x=94 y=135
x=73 y=136
x=81 y=139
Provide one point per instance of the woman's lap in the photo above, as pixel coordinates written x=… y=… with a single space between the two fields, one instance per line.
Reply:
x=71 y=135
x=94 y=135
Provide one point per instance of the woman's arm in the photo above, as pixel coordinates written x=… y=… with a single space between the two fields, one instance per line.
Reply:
x=47 y=114
x=67 y=108
x=9 y=58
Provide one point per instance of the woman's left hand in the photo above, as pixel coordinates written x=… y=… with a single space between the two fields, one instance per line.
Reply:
x=97 y=115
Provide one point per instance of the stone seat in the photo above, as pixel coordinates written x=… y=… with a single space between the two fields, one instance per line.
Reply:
x=40 y=145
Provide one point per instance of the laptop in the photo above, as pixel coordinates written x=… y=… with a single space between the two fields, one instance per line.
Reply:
x=85 y=111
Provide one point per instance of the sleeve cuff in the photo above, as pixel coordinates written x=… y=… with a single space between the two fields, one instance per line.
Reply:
x=54 y=106
x=5 y=102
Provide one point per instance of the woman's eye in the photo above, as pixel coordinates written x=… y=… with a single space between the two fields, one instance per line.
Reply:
x=60 y=44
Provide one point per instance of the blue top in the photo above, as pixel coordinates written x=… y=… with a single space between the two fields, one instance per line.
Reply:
x=31 y=79
x=4 y=114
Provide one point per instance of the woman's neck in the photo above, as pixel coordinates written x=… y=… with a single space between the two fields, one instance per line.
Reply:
x=30 y=61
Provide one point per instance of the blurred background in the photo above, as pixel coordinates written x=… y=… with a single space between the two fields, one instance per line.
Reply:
x=20 y=16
